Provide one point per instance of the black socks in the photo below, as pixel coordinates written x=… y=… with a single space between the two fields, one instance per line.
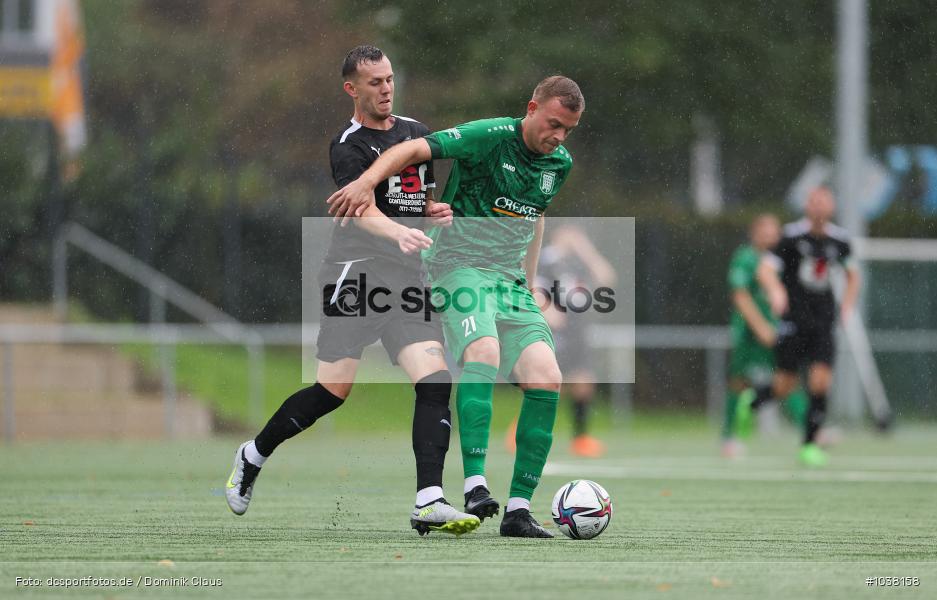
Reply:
x=298 y=412
x=816 y=415
x=432 y=425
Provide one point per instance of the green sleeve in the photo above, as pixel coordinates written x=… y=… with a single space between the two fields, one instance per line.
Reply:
x=742 y=270
x=470 y=139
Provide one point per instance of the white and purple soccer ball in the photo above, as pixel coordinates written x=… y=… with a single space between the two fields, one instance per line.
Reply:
x=582 y=509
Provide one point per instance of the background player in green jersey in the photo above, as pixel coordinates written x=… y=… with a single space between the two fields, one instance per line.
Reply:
x=753 y=334
x=505 y=175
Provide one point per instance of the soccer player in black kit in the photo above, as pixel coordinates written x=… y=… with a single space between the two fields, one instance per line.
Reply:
x=796 y=278
x=383 y=250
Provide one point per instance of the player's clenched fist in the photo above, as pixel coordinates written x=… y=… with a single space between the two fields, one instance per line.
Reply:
x=439 y=213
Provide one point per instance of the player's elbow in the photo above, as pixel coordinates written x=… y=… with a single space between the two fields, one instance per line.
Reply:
x=419 y=150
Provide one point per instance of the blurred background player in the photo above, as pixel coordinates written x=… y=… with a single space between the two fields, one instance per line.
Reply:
x=797 y=279
x=753 y=333
x=386 y=252
x=571 y=260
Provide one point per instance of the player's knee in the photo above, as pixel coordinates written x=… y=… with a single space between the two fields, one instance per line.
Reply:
x=543 y=377
x=784 y=383
x=484 y=350
x=434 y=389
x=819 y=381
x=340 y=389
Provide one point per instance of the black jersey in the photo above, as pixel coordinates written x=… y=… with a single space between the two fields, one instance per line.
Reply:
x=567 y=271
x=403 y=195
x=804 y=262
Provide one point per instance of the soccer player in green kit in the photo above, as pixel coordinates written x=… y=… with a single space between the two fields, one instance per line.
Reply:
x=753 y=333
x=506 y=173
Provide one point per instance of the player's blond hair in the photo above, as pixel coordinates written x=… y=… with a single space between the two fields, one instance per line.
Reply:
x=564 y=88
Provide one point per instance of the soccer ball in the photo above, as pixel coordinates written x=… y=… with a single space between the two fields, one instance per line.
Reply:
x=582 y=509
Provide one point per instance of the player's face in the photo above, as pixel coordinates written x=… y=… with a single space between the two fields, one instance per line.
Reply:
x=766 y=233
x=820 y=206
x=373 y=88
x=548 y=124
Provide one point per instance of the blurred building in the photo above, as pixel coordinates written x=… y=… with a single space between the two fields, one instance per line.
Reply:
x=41 y=54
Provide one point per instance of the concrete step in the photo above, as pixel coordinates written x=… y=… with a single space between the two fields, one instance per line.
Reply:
x=79 y=416
x=27 y=313
x=87 y=391
x=47 y=367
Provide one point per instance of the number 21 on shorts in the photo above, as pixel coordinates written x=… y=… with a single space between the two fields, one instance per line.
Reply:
x=469 y=324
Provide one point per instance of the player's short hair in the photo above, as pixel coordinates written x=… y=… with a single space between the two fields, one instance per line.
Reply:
x=564 y=88
x=359 y=55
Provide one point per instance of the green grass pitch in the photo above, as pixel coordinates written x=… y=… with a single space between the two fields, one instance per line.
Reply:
x=330 y=520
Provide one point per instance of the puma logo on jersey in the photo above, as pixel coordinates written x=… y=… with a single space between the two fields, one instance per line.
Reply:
x=377 y=150
x=510 y=168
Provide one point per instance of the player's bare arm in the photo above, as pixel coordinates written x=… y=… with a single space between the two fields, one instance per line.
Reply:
x=763 y=330
x=351 y=200
x=852 y=292
x=767 y=276
x=533 y=252
x=600 y=269
x=409 y=239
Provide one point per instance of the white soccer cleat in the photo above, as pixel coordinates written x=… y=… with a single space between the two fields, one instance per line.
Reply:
x=441 y=516
x=240 y=484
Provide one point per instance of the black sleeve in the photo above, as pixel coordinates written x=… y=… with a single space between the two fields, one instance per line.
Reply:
x=785 y=251
x=348 y=163
x=845 y=254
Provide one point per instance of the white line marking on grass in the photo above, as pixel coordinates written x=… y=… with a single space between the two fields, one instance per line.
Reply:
x=861 y=463
x=728 y=474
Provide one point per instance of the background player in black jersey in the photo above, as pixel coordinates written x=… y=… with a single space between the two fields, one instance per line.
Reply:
x=382 y=249
x=796 y=278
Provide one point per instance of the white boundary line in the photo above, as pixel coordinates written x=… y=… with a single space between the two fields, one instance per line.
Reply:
x=738 y=474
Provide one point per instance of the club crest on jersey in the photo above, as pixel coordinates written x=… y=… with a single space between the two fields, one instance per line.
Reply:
x=547 y=179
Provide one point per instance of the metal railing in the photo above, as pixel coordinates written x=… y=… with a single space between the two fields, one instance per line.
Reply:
x=163 y=290
x=713 y=340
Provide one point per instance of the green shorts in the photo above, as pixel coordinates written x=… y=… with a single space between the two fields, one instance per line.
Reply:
x=476 y=303
x=750 y=360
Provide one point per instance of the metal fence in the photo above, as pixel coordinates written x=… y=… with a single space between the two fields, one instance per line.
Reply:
x=714 y=341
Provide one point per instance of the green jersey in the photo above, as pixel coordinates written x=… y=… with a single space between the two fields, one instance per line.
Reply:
x=742 y=270
x=500 y=182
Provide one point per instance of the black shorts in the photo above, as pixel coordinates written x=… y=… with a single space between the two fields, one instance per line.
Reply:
x=364 y=304
x=801 y=344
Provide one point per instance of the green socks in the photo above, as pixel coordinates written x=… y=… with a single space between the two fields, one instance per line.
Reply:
x=796 y=407
x=473 y=404
x=534 y=438
x=534 y=427
x=728 y=424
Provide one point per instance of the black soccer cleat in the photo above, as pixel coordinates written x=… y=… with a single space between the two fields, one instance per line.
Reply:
x=479 y=502
x=520 y=523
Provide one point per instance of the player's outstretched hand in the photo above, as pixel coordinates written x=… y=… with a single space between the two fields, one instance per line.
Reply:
x=413 y=240
x=350 y=201
x=439 y=213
